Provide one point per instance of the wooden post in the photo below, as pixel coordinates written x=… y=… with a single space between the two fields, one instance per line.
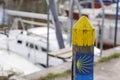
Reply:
x=83 y=50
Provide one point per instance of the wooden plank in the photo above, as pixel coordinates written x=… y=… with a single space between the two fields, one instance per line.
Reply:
x=62 y=51
x=62 y=54
x=34 y=23
x=65 y=55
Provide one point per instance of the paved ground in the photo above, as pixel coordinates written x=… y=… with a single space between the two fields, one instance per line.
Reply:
x=108 y=71
x=103 y=71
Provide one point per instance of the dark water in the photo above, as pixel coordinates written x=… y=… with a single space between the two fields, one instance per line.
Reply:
x=39 y=6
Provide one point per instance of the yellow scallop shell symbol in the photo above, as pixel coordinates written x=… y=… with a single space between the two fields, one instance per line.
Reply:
x=79 y=64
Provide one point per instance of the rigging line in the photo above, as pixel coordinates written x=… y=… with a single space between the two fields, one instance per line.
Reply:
x=8 y=47
x=48 y=17
x=102 y=27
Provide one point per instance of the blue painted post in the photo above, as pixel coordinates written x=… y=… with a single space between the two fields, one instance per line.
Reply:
x=83 y=50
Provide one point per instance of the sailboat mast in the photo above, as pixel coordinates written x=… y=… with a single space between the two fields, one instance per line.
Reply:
x=59 y=37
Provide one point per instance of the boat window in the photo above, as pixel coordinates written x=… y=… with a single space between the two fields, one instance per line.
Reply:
x=26 y=43
x=36 y=47
x=99 y=15
x=43 y=49
x=31 y=45
x=19 y=41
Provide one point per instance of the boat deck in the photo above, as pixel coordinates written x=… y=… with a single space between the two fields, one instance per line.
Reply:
x=12 y=62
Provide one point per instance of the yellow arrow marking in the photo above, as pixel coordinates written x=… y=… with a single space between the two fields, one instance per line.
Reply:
x=83 y=32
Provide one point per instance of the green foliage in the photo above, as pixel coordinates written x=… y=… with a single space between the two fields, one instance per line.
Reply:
x=16 y=73
x=51 y=76
x=106 y=59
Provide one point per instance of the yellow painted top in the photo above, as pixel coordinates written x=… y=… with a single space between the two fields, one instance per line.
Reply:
x=83 y=32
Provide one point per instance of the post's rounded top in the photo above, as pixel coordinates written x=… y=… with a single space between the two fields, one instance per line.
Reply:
x=83 y=33
x=83 y=24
